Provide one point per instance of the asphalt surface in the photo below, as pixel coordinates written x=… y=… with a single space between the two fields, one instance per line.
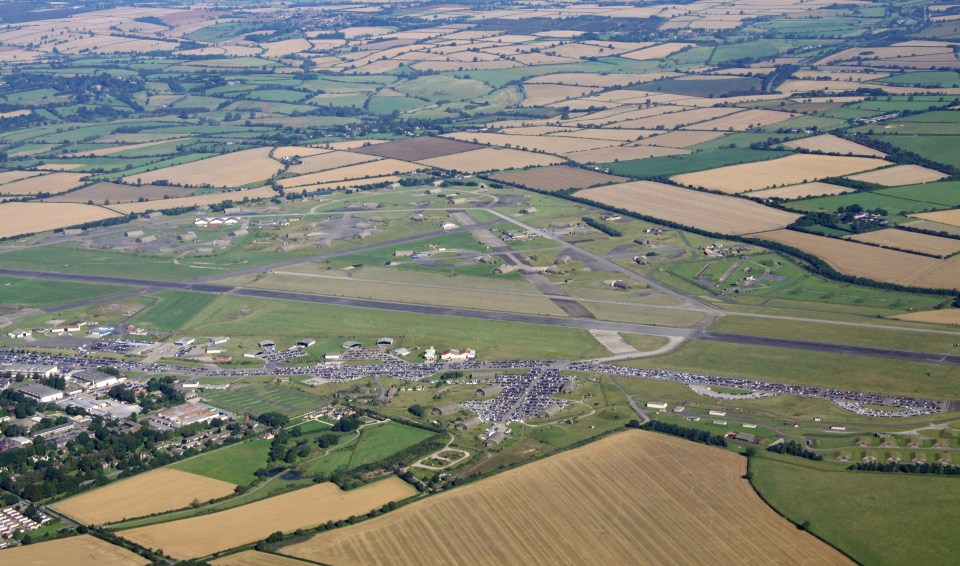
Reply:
x=830 y=348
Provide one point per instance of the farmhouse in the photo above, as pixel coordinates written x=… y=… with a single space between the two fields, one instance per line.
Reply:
x=487 y=390
x=41 y=393
x=454 y=355
x=447 y=409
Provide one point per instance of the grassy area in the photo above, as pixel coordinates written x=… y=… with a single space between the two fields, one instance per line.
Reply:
x=257 y=398
x=235 y=463
x=29 y=293
x=173 y=309
x=240 y=316
x=838 y=371
x=875 y=518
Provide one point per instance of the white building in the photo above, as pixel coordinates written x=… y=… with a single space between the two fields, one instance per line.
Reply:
x=454 y=355
x=656 y=405
x=21 y=334
x=430 y=354
x=93 y=379
x=30 y=370
x=41 y=393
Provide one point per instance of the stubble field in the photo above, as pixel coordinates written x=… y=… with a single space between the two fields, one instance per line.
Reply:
x=203 y=535
x=230 y=170
x=912 y=241
x=83 y=550
x=716 y=213
x=632 y=498
x=31 y=217
x=159 y=490
x=901 y=175
x=558 y=178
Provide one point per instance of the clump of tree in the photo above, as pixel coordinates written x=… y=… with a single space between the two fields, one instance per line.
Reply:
x=694 y=434
x=608 y=230
x=794 y=448
x=348 y=424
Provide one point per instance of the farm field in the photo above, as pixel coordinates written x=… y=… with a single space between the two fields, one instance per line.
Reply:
x=951 y=217
x=944 y=316
x=790 y=170
x=201 y=200
x=557 y=178
x=255 y=558
x=229 y=170
x=361 y=171
x=828 y=143
x=805 y=190
x=52 y=183
x=257 y=398
x=418 y=148
x=900 y=175
x=203 y=535
x=489 y=159
x=857 y=259
x=716 y=213
x=234 y=464
x=910 y=241
x=893 y=528
x=115 y=193
x=82 y=550
x=156 y=491
x=554 y=496
x=17 y=218
x=173 y=309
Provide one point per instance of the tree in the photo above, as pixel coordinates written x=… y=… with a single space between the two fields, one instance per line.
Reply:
x=416 y=410
x=327 y=440
x=273 y=419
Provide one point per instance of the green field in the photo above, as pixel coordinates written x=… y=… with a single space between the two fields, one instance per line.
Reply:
x=173 y=309
x=235 y=463
x=29 y=293
x=674 y=165
x=243 y=316
x=876 y=518
x=374 y=443
x=257 y=398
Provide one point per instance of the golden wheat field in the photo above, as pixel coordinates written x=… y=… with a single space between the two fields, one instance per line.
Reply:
x=214 y=198
x=158 y=490
x=361 y=171
x=716 y=213
x=742 y=121
x=911 y=241
x=254 y=558
x=803 y=190
x=53 y=183
x=632 y=498
x=548 y=144
x=856 y=259
x=328 y=160
x=656 y=51
x=944 y=275
x=82 y=550
x=943 y=316
x=828 y=143
x=951 y=217
x=901 y=175
x=33 y=217
x=230 y=170
x=489 y=158
x=205 y=534
x=790 y=170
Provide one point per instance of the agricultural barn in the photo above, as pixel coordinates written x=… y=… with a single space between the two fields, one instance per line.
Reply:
x=486 y=390
x=495 y=439
x=550 y=410
x=448 y=409
x=656 y=405
x=384 y=342
x=568 y=386
x=468 y=423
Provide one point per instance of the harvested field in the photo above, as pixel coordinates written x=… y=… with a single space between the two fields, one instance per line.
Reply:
x=558 y=178
x=951 y=217
x=18 y=218
x=656 y=51
x=828 y=143
x=286 y=47
x=490 y=159
x=716 y=213
x=790 y=170
x=742 y=121
x=815 y=189
x=361 y=171
x=606 y=134
x=254 y=558
x=944 y=275
x=299 y=150
x=52 y=183
x=549 y=144
x=82 y=550
x=597 y=80
x=943 y=316
x=230 y=170
x=199 y=536
x=624 y=153
x=544 y=94
x=933 y=226
x=328 y=160
x=418 y=149
x=900 y=175
x=671 y=120
x=117 y=193
x=857 y=259
x=215 y=198
x=680 y=139
x=163 y=489
x=910 y=241
x=11 y=176
x=116 y=149
x=345 y=184
x=631 y=498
